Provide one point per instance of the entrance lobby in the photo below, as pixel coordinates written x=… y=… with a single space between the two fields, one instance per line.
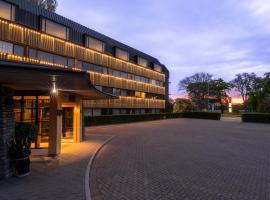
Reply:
x=50 y=98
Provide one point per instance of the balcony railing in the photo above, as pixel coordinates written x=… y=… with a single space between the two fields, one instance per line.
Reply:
x=22 y=35
x=125 y=102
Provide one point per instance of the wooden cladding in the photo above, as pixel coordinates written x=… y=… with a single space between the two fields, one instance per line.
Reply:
x=111 y=81
x=125 y=102
x=19 y=34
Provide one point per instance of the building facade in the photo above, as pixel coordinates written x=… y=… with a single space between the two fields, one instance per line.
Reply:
x=58 y=71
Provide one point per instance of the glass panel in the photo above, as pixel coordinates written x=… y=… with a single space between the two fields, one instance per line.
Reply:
x=94 y=44
x=55 y=29
x=67 y=125
x=6 y=47
x=60 y=60
x=43 y=56
x=5 y=10
x=157 y=68
x=143 y=62
x=19 y=50
x=33 y=53
x=121 y=54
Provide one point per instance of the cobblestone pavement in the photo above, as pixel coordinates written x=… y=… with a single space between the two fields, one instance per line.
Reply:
x=183 y=159
x=61 y=178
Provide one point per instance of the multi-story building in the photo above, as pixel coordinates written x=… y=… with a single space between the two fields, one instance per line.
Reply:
x=41 y=51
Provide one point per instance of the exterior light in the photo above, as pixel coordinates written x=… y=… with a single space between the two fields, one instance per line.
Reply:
x=54 y=91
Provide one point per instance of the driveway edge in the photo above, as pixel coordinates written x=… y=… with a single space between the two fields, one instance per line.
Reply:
x=88 y=169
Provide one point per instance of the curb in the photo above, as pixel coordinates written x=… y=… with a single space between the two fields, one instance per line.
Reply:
x=88 y=169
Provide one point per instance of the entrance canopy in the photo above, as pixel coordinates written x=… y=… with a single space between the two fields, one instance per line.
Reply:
x=34 y=77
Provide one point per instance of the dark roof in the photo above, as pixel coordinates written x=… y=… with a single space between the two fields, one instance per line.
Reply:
x=38 y=11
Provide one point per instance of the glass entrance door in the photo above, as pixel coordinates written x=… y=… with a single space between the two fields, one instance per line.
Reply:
x=67 y=124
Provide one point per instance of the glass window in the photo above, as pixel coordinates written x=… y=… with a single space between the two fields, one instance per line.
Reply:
x=116 y=111
x=91 y=67
x=124 y=75
x=7 y=11
x=142 y=62
x=33 y=53
x=116 y=92
x=55 y=29
x=96 y=112
x=123 y=93
x=71 y=62
x=18 y=50
x=157 y=68
x=60 y=60
x=95 y=44
x=46 y=57
x=6 y=47
x=121 y=54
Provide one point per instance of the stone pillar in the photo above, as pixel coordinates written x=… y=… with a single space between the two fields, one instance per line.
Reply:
x=55 y=130
x=6 y=130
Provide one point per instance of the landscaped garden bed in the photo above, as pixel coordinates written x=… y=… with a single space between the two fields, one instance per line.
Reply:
x=256 y=117
x=115 y=119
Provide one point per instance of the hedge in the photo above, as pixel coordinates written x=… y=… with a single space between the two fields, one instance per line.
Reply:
x=256 y=117
x=115 y=119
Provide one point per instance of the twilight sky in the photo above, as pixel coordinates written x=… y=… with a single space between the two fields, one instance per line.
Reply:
x=221 y=37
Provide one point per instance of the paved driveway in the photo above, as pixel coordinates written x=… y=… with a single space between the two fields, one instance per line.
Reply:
x=183 y=159
x=53 y=179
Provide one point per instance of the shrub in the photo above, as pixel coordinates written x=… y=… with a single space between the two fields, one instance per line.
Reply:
x=265 y=106
x=115 y=119
x=184 y=105
x=256 y=117
x=202 y=115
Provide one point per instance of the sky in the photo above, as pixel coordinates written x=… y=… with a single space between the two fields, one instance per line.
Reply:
x=220 y=37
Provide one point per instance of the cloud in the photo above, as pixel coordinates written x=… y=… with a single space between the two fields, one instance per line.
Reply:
x=220 y=37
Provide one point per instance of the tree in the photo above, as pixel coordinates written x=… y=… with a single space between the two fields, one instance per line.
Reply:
x=218 y=92
x=259 y=99
x=197 y=88
x=246 y=84
x=50 y=5
x=184 y=105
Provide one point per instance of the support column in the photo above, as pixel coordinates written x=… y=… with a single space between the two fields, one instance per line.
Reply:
x=6 y=130
x=55 y=130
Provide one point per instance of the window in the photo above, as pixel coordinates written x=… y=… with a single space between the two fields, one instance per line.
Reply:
x=33 y=53
x=6 y=47
x=55 y=29
x=142 y=62
x=46 y=57
x=94 y=68
x=121 y=54
x=157 y=68
x=116 y=92
x=60 y=60
x=7 y=11
x=95 y=44
x=18 y=50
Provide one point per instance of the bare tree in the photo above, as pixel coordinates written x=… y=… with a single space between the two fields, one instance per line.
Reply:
x=50 y=5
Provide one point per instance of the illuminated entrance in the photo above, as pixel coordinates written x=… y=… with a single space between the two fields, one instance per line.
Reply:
x=34 y=109
x=68 y=123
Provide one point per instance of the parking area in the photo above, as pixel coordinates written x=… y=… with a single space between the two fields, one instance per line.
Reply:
x=183 y=159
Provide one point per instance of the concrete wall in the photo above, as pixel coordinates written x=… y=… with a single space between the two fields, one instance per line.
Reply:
x=6 y=130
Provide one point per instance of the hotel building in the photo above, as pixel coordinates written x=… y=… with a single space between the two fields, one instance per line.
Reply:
x=54 y=71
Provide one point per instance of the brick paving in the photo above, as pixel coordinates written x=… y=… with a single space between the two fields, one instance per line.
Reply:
x=183 y=159
x=61 y=178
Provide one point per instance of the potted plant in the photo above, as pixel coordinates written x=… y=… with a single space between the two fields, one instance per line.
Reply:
x=20 y=147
